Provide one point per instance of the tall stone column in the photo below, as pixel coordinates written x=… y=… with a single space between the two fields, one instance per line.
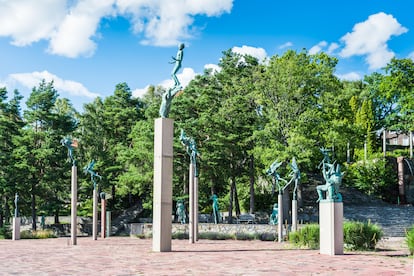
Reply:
x=195 y=208
x=16 y=228
x=103 y=217
x=280 y=218
x=191 y=221
x=162 y=194
x=331 y=232
x=74 y=202
x=294 y=215
x=95 y=215
x=401 y=187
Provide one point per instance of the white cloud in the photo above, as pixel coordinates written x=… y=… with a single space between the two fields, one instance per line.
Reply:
x=185 y=77
x=370 y=38
x=258 y=53
x=166 y=22
x=411 y=55
x=73 y=36
x=140 y=92
x=352 y=76
x=71 y=27
x=324 y=46
x=286 y=45
x=332 y=47
x=33 y=79
x=213 y=67
x=28 y=21
x=318 y=47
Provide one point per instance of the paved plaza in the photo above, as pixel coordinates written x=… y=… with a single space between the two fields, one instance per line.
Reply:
x=133 y=256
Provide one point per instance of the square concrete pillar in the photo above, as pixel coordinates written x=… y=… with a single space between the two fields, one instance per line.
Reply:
x=331 y=231
x=162 y=194
x=16 y=228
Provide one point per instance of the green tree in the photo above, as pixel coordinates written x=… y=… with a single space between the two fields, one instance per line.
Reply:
x=105 y=131
x=38 y=151
x=10 y=125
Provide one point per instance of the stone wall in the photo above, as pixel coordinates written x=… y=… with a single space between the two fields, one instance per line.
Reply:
x=145 y=229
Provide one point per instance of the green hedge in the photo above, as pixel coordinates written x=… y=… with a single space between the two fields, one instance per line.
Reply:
x=361 y=235
x=357 y=236
x=409 y=239
x=307 y=236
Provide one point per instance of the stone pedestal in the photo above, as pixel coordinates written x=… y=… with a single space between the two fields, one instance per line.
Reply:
x=191 y=222
x=195 y=208
x=331 y=232
x=103 y=218
x=193 y=219
x=95 y=215
x=162 y=194
x=108 y=224
x=74 y=202
x=294 y=215
x=280 y=218
x=16 y=228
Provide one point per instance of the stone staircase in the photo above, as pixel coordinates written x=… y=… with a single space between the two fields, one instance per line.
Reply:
x=393 y=219
x=120 y=225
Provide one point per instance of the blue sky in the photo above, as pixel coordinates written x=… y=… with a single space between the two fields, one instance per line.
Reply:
x=89 y=46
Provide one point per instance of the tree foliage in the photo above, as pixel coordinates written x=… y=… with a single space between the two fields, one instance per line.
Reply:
x=242 y=117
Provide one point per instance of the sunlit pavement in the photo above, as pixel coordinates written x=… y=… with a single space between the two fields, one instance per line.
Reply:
x=133 y=256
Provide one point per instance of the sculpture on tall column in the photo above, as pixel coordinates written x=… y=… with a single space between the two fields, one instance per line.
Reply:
x=295 y=174
x=333 y=179
x=168 y=96
x=272 y=171
x=94 y=175
x=191 y=148
x=16 y=208
x=70 y=144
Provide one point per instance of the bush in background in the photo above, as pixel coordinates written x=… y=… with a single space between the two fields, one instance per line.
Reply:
x=307 y=236
x=5 y=232
x=409 y=239
x=374 y=177
x=361 y=235
x=40 y=234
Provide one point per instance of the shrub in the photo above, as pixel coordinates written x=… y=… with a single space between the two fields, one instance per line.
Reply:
x=409 y=239
x=40 y=234
x=374 y=177
x=361 y=235
x=216 y=236
x=179 y=236
x=307 y=236
x=5 y=232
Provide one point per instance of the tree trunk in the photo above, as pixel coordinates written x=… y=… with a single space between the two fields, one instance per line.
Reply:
x=57 y=216
x=185 y=182
x=251 y=170
x=236 y=198
x=299 y=195
x=1 y=215
x=112 y=202
x=6 y=210
x=33 y=208
x=231 y=202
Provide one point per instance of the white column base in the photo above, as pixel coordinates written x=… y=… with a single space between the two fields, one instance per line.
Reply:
x=162 y=194
x=331 y=232
x=16 y=228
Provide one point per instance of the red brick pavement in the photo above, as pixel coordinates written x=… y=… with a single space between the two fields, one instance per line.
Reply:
x=132 y=256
